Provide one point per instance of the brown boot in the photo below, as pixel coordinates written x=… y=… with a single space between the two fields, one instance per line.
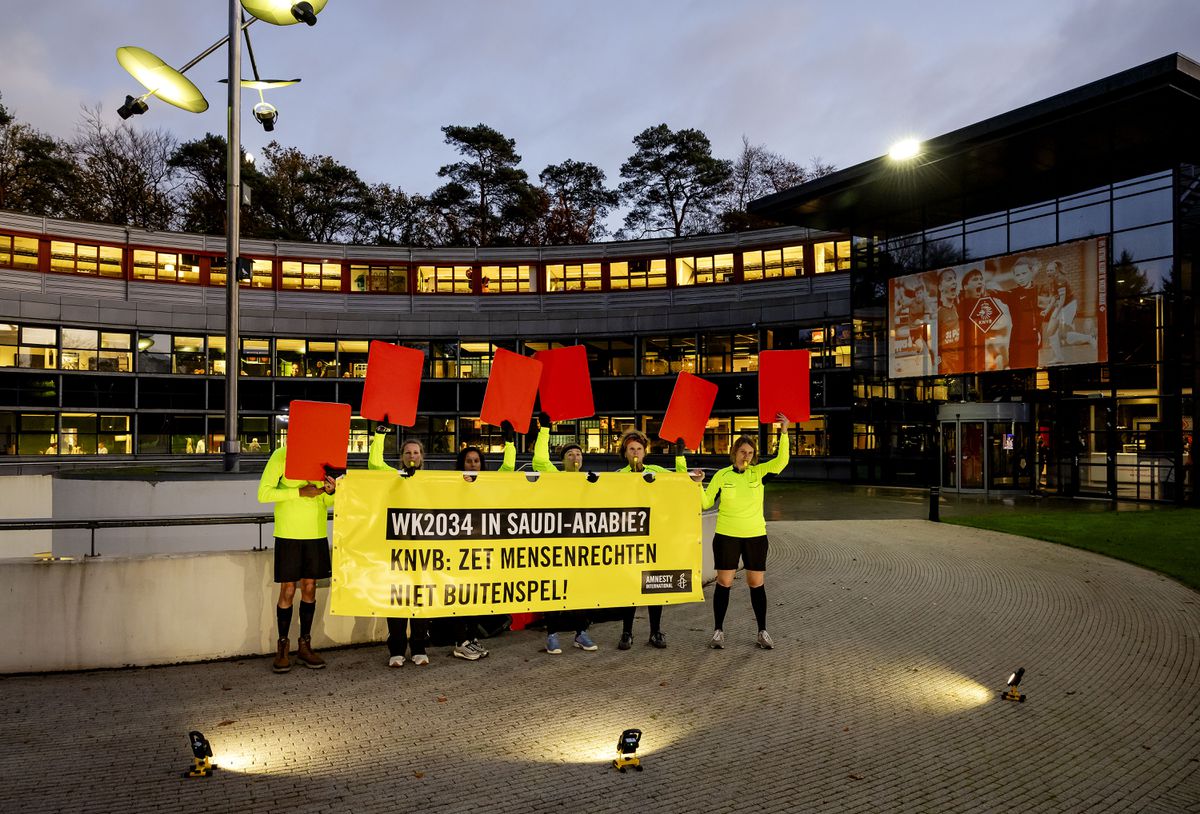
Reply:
x=281 y=663
x=306 y=656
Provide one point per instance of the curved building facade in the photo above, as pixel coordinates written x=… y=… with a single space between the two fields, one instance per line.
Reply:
x=113 y=342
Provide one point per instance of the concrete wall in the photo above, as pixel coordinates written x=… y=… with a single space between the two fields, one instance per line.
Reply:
x=26 y=496
x=125 y=611
x=118 y=612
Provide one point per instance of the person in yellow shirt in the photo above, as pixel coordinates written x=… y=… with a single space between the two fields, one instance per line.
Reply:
x=301 y=552
x=741 y=532
x=632 y=450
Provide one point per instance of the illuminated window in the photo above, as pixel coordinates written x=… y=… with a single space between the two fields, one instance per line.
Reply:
x=704 y=270
x=84 y=258
x=188 y=355
x=773 y=263
x=262 y=273
x=38 y=348
x=379 y=279
x=638 y=274
x=577 y=277
x=22 y=252
x=506 y=279
x=670 y=354
x=832 y=256
x=444 y=279
x=256 y=357
x=352 y=358
x=165 y=266
x=310 y=276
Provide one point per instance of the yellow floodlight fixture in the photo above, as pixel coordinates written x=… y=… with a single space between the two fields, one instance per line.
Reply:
x=1012 y=694
x=627 y=747
x=285 y=12
x=263 y=84
x=161 y=80
x=202 y=765
x=905 y=149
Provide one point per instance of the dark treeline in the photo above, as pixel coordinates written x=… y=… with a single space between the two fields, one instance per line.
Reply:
x=672 y=185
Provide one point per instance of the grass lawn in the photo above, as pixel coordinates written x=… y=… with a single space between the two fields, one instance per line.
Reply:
x=1166 y=540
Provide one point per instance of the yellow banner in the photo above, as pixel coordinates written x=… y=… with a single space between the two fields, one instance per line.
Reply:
x=436 y=544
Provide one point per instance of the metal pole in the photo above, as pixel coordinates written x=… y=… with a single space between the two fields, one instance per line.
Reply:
x=935 y=494
x=233 y=212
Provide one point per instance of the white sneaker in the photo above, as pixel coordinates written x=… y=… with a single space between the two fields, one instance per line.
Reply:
x=764 y=640
x=483 y=651
x=420 y=659
x=396 y=661
x=717 y=642
x=466 y=650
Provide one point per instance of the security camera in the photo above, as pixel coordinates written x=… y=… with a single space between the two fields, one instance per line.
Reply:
x=266 y=114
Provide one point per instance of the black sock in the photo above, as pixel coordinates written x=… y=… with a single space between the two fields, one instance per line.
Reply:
x=283 y=617
x=307 y=611
x=720 y=605
x=627 y=621
x=758 y=600
x=655 y=619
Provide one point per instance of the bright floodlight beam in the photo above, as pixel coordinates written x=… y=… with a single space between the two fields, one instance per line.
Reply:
x=285 y=12
x=905 y=149
x=161 y=80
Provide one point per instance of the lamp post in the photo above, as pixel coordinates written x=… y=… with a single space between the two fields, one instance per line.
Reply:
x=233 y=235
x=164 y=82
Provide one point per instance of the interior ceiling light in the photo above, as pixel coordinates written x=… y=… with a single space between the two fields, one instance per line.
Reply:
x=285 y=12
x=161 y=80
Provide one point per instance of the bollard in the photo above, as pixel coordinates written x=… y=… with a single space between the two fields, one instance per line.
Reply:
x=934 y=496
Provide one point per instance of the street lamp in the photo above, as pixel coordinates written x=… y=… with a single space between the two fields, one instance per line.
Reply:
x=170 y=85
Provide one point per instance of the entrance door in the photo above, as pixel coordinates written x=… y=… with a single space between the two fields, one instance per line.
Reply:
x=950 y=455
x=971 y=458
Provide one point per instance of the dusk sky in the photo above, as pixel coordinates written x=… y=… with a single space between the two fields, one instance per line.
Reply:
x=572 y=80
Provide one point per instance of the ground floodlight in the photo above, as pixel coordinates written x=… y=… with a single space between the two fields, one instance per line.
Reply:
x=905 y=149
x=202 y=765
x=1011 y=694
x=134 y=106
x=285 y=12
x=266 y=114
x=161 y=79
x=627 y=746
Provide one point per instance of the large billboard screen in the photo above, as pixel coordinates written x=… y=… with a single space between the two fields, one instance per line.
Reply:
x=1038 y=308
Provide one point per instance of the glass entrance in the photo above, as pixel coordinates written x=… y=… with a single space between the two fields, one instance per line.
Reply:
x=971 y=458
x=986 y=447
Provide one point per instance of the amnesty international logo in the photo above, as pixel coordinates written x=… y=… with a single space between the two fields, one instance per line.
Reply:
x=666 y=582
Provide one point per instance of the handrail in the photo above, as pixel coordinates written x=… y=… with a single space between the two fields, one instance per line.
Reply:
x=44 y=524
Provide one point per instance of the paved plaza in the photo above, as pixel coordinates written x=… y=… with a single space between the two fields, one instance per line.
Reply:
x=893 y=637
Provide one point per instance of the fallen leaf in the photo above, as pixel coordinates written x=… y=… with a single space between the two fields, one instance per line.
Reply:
x=226 y=689
x=226 y=723
x=853 y=776
x=662 y=683
x=418 y=775
x=441 y=699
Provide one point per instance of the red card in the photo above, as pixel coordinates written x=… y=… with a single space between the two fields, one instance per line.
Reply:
x=318 y=435
x=691 y=405
x=783 y=385
x=511 y=389
x=393 y=384
x=566 y=387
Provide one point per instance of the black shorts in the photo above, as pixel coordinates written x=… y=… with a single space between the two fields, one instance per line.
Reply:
x=752 y=551
x=301 y=559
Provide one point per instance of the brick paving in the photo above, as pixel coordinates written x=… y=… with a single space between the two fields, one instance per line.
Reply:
x=893 y=640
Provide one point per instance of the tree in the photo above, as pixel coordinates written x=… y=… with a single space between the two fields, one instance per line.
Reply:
x=200 y=196
x=758 y=172
x=392 y=218
x=124 y=175
x=577 y=202
x=672 y=182
x=310 y=198
x=484 y=186
x=36 y=171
